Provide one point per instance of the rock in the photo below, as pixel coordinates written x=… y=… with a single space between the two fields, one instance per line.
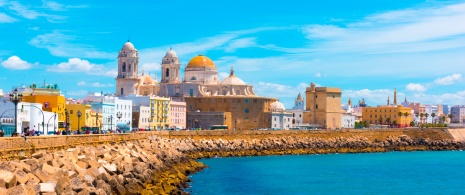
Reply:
x=47 y=187
x=49 y=169
x=76 y=184
x=21 y=189
x=82 y=164
x=110 y=167
x=38 y=154
x=8 y=177
x=72 y=174
x=33 y=178
x=104 y=186
x=21 y=176
x=3 y=190
x=42 y=175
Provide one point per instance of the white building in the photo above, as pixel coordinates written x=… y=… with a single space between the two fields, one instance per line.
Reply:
x=123 y=114
x=178 y=115
x=28 y=115
x=348 y=120
x=280 y=119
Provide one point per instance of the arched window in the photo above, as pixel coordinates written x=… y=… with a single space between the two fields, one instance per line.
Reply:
x=121 y=91
x=193 y=78
x=123 y=69
x=167 y=72
x=129 y=68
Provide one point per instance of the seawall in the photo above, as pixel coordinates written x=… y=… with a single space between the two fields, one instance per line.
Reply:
x=159 y=162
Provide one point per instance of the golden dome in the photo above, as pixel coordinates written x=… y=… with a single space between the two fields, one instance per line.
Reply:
x=201 y=61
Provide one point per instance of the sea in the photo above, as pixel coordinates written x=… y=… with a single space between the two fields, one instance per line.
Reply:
x=429 y=172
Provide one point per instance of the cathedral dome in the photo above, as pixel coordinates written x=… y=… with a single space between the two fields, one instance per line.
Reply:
x=232 y=80
x=171 y=54
x=201 y=61
x=277 y=107
x=128 y=46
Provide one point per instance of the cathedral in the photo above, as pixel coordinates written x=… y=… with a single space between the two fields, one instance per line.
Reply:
x=200 y=88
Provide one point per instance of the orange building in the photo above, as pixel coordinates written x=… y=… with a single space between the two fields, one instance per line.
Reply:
x=51 y=99
x=388 y=115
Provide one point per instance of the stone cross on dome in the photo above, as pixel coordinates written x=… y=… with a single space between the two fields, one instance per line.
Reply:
x=232 y=70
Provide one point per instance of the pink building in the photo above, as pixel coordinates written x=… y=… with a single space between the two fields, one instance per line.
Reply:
x=178 y=115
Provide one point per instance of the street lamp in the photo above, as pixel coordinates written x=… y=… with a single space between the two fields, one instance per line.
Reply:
x=79 y=114
x=16 y=97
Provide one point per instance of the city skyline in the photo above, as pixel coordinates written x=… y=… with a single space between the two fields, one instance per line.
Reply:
x=367 y=49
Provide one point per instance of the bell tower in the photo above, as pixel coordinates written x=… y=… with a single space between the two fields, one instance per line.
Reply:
x=299 y=103
x=128 y=68
x=170 y=68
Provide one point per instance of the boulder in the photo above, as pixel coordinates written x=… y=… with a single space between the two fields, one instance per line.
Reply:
x=47 y=187
x=21 y=176
x=21 y=189
x=33 y=178
x=76 y=184
x=38 y=154
x=49 y=169
x=8 y=177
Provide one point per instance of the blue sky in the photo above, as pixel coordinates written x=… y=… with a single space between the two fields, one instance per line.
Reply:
x=367 y=48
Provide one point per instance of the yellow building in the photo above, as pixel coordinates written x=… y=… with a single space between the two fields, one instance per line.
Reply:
x=160 y=113
x=324 y=104
x=398 y=116
x=51 y=99
x=87 y=119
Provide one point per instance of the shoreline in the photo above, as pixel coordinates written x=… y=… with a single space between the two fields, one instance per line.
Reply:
x=160 y=162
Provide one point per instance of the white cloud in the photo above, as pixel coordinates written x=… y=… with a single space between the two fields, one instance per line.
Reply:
x=59 y=44
x=318 y=75
x=457 y=98
x=415 y=87
x=26 y=12
x=323 y=31
x=394 y=32
x=448 y=80
x=15 y=63
x=52 y=5
x=240 y=43
x=79 y=93
x=81 y=83
x=6 y=18
x=79 y=65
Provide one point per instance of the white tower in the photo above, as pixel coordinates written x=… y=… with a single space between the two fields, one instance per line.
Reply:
x=299 y=103
x=128 y=68
x=170 y=68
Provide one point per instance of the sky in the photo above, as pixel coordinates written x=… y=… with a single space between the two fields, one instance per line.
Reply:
x=365 y=47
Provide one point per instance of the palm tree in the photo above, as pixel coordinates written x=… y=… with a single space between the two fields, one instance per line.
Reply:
x=380 y=120
x=450 y=116
x=421 y=116
x=443 y=119
x=432 y=116
x=426 y=116
x=400 y=115
x=388 y=120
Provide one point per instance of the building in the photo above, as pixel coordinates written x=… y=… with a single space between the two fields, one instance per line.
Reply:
x=51 y=100
x=29 y=115
x=418 y=110
x=458 y=114
x=205 y=120
x=141 y=117
x=280 y=118
x=324 y=104
x=160 y=113
x=128 y=80
x=123 y=115
x=348 y=120
x=82 y=123
x=178 y=115
x=387 y=115
x=104 y=104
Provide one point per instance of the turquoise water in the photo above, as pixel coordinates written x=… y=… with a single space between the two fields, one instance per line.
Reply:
x=370 y=173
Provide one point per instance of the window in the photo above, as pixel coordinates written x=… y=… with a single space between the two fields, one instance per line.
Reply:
x=124 y=67
x=167 y=72
x=316 y=106
x=238 y=92
x=246 y=101
x=193 y=78
x=246 y=110
x=225 y=92
x=121 y=91
x=191 y=92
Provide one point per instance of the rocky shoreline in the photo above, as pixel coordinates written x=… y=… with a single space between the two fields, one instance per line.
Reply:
x=160 y=165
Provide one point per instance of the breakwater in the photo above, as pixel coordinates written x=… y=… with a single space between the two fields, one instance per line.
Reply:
x=159 y=162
